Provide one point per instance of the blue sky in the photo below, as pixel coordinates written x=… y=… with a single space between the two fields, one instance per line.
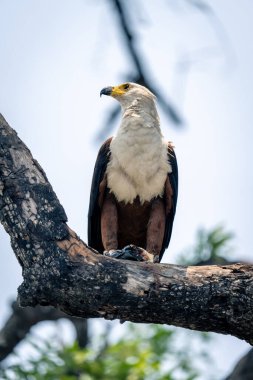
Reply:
x=55 y=58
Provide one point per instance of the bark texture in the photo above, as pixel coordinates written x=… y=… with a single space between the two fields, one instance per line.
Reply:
x=62 y=271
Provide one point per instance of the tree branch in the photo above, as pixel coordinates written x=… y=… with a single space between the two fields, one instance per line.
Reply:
x=62 y=271
x=141 y=77
x=22 y=319
x=122 y=9
x=243 y=369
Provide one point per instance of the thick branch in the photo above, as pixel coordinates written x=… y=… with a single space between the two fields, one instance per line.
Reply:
x=60 y=270
x=243 y=369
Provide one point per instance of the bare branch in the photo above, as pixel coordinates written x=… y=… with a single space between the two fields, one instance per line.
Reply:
x=21 y=321
x=243 y=369
x=140 y=75
x=205 y=8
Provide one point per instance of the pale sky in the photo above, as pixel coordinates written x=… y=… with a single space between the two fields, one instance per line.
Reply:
x=55 y=58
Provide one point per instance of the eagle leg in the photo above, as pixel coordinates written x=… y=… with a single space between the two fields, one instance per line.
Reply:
x=156 y=228
x=109 y=223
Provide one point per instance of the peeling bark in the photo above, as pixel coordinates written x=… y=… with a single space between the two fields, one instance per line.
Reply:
x=62 y=271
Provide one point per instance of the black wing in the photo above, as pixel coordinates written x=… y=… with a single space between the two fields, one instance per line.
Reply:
x=94 y=214
x=173 y=178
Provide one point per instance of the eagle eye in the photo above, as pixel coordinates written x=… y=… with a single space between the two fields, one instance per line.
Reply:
x=126 y=86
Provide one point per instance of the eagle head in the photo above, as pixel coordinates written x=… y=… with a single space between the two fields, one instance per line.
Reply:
x=128 y=92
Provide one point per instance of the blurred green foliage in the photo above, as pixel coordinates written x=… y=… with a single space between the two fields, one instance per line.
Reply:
x=144 y=352
x=211 y=247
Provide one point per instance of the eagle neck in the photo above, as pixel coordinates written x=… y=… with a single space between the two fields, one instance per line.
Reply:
x=141 y=112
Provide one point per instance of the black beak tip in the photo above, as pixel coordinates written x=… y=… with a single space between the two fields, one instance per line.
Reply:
x=106 y=91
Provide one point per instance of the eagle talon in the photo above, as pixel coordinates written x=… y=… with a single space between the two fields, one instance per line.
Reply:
x=111 y=252
x=139 y=253
x=156 y=259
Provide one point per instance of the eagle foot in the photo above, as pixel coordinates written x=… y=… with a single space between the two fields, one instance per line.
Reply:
x=130 y=252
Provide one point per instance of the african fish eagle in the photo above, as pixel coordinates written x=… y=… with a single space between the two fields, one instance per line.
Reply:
x=135 y=181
